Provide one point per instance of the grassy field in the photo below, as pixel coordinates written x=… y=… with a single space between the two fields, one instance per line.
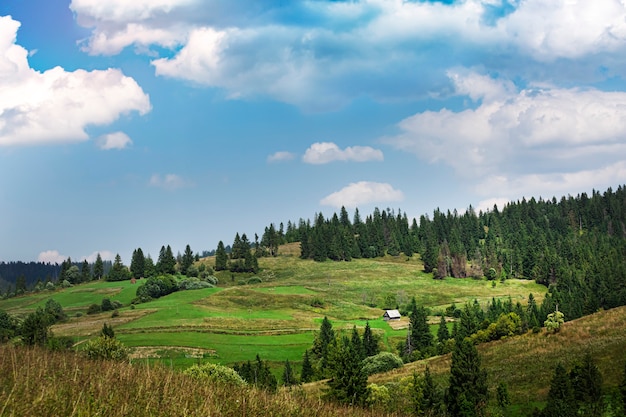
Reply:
x=276 y=318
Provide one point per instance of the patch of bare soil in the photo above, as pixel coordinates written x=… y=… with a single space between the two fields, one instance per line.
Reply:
x=91 y=325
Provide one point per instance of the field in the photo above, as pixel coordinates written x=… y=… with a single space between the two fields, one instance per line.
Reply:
x=276 y=318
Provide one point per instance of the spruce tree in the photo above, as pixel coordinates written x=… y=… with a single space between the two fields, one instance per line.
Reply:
x=98 y=268
x=85 y=272
x=370 y=341
x=561 y=399
x=170 y=261
x=586 y=382
x=289 y=378
x=221 y=258
x=357 y=343
x=138 y=264
x=467 y=393
x=348 y=383
x=187 y=260
x=308 y=373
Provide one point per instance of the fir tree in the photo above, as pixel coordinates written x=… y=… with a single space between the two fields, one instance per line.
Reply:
x=186 y=260
x=288 y=377
x=98 y=268
x=85 y=272
x=138 y=264
x=587 y=384
x=307 y=374
x=561 y=399
x=107 y=331
x=118 y=271
x=221 y=258
x=467 y=393
x=370 y=341
x=348 y=383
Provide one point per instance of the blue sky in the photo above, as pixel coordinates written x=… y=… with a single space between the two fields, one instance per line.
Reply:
x=153 y=122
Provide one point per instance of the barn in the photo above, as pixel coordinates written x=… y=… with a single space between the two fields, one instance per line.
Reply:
x=391 y=315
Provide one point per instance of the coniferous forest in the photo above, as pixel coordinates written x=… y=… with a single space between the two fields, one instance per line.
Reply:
x=576 y=246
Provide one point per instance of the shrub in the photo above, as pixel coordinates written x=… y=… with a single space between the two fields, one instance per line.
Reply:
x=106 y=304
x=94 y=309
x=156 y=287
x=255 y=280
x=50 y=286
x=215 y=373
x=192 y=271
x=212 y=279
x=193 y=284
x=60 y=343
x=66 y=284
x=107 y=348
x=383 y=362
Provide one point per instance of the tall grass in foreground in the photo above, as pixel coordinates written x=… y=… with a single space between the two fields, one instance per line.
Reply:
x=36 y=382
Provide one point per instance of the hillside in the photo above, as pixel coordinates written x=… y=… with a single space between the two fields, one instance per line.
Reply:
x=235 y=321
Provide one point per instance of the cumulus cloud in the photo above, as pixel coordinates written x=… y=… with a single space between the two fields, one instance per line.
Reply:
x=51 y=256
x=56 y=105
x=116 y=140
x=280 y=156
x=381 y=49
x=325 y=152
x=168 y=182
x=537 y=128
x=361 y=193
x=106 y=255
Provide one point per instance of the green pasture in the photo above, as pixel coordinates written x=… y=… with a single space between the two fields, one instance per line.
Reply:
x=278 y=317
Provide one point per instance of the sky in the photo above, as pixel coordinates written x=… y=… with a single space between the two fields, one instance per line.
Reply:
x=144 y=123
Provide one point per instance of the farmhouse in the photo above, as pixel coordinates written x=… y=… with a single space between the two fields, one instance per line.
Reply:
x=391 y=315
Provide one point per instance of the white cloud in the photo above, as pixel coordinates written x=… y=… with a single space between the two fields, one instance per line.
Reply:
x=168 y=182
x=519 y=131
x=487 y=204
x=377 y=48
x=51 y=256
x=361 y=193
x=56 y=105
x=116 y=140
x=106 y=255
x=280 y=156
x=325 y=152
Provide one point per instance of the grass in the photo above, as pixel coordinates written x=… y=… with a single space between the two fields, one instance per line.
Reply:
x=285 y=309
x=36 y=382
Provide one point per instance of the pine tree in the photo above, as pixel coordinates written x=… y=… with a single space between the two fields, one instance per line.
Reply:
x=370 y=341
x=118 y=271
x=98 y=268
x=138 y=264
x=357 y=343
x=561 y=399
x=467 y=393
x=85 y=272
x=348 y=383
x=221 y=258
x=308 y=373
x=170 y=261
x=187 y=260
x=288 y=377
x=586 y=382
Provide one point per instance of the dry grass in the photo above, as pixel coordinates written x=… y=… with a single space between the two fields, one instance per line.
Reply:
x=36 y=382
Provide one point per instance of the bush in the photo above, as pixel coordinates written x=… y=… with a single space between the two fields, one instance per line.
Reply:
x=156 y=287
x=94 y=309
x=192 y=271
x=107 y=348
x=60 y=343
x=193 y=284
x=215 y=373
x=383 y=362
x=106 y=305
x=255 y=280
x=211 y=279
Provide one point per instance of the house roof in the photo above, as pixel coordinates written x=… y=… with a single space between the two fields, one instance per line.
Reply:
x=392 y=314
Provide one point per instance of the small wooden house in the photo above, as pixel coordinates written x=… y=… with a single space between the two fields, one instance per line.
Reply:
x=391 y=315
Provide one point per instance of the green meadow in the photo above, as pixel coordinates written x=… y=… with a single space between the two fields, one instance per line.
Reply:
x=276 y=318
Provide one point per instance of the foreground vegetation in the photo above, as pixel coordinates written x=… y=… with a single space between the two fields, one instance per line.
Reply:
x=37 y=382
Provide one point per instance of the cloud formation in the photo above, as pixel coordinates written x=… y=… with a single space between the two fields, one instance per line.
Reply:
x=55 y=106
x=51 y=256
x=116 y=140
x=168 y=182
x=541 y=134
x=280 y=156
x=378 y=48
x=361 y=193
x=326 y=152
